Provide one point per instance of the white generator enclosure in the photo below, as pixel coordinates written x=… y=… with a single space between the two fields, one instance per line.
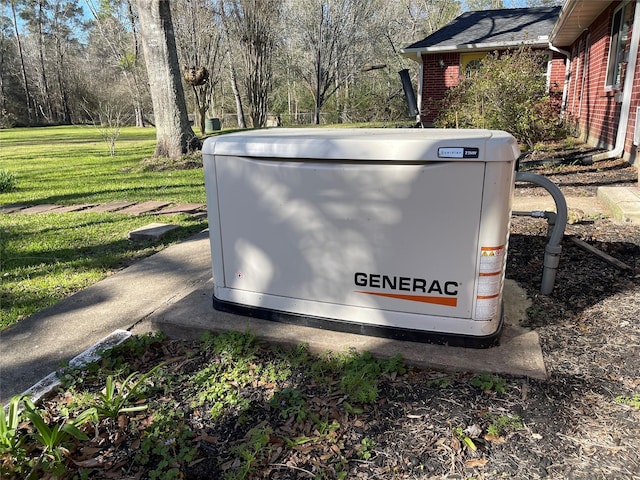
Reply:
x=392 y=232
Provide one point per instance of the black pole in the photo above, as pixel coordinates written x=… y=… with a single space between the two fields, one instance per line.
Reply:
x=408 y=92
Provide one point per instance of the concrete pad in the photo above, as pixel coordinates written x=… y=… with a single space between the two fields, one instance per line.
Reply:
x=519 y=352
x=144 y=207
x=153 y=231
x=623 y=202
x=109 y=207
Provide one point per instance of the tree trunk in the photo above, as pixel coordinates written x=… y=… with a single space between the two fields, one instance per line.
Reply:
x=236 y=95
x=65 y=114
x=23 y=70
x=232 y=72
x=43 y=74
x=173 y=132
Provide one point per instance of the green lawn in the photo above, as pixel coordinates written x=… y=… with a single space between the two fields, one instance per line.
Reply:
x=68 y=165
x=45 y=257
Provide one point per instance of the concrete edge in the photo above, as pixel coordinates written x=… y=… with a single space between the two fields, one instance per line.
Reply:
x=51 y=381
x=623 y=204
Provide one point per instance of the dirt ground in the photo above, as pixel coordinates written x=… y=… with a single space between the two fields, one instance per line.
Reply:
x=580 y=423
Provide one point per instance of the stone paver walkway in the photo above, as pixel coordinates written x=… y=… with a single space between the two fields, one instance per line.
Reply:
x=151 y=207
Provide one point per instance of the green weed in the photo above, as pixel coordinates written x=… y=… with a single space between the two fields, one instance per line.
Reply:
x=366 y=445
x=503 y=424
x=290 y=402
x=12 y=450
x=440 y=382
x=8 y=181
x=459 y=433
x=252 y=453
x=167 y=444
x=632 y=401
x=489 y=383
x=52 y=440
x=112 y=401
x=358 y=372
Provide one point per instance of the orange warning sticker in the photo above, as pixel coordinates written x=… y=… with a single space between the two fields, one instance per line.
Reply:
x=489 y=281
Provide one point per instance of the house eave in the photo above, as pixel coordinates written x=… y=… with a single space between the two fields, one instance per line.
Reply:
x=575 y=17
x=414 y=53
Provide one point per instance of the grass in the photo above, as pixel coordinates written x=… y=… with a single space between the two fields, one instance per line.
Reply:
x=70 y=165
x=46 y=257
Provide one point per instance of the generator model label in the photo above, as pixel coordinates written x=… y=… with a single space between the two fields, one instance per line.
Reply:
x=458 y=152
x=412 y=289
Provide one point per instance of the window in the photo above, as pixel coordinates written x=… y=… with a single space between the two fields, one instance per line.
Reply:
x=470 y=62
x=618 y=48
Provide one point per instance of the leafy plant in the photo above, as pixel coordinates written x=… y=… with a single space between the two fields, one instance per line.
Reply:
x=8 y=181
x=290 y=401
x=509 y=93
x=460 y=434
x=9 y=425
x=52 y=440
x=366 y=444
x=167 y=444
x=489 y=383
x=120 y=357
x=252 y=453
x=112 y=400
x=230 y=344
x=501 y=424
x=633 y=401
x=439 y=382
x=359 y=373
x=12 y=451
x=220 y=384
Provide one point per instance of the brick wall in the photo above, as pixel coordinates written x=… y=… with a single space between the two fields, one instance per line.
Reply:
x=556 y=78
x=593 y=108
x=436 y=81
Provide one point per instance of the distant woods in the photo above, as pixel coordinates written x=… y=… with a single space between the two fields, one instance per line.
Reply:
x=246 y=62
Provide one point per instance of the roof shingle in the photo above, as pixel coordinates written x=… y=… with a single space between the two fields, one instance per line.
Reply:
x=491 y=28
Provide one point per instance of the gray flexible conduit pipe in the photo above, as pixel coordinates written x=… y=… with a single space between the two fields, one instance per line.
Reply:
x=554 y=248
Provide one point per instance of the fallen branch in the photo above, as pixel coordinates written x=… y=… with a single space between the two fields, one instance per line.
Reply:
x=605 y=256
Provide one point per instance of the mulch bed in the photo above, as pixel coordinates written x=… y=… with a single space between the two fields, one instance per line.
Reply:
x=426 y=424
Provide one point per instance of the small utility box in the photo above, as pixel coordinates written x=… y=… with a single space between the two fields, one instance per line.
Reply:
x=387 y=232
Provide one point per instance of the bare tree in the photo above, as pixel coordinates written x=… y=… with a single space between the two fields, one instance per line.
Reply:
x=35 y=16
x=173 y=132
x=23 y=70
x=199 y=40
x=117 y=42
x=254 y=24
x=233 y=77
